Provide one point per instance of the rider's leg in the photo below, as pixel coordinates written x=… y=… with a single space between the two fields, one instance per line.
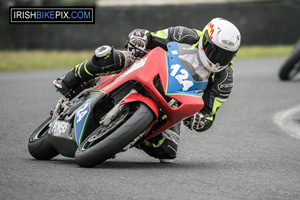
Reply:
x=163 y=146
x=105 y=61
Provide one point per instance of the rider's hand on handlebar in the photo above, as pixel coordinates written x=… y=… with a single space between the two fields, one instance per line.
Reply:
x=195 y=122
x=139 y=39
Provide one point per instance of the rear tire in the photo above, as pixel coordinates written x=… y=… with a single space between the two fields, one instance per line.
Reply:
x=39 y=145
x=105 y=142
x=289 y=65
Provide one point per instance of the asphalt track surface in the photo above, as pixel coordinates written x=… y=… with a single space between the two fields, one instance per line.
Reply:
x=245 y=155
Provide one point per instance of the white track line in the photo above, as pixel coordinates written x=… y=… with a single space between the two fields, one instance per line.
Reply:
x=289 y=121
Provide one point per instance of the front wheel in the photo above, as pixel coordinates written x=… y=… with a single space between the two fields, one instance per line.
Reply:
x=105 y=142
x=39 y=145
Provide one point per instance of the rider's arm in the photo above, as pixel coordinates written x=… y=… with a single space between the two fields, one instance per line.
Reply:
x=178 y=34
x=216 y=93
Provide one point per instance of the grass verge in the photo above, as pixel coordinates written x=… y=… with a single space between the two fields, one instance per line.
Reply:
x=40 y=59
x=33 y=60
x=264 y=51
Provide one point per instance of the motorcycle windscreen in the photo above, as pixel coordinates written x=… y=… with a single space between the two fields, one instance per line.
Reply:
x=180 y=80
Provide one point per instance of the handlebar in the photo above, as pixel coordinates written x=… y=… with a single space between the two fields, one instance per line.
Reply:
x=134 y=46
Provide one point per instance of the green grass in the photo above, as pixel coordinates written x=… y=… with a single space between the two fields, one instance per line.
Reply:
x=264 y=51
x=32 y=60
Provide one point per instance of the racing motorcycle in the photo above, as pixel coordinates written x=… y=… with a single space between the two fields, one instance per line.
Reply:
x=153 y=94
x=291 y=66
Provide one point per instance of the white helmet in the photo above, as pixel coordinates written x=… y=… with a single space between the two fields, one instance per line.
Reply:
x=218 y=44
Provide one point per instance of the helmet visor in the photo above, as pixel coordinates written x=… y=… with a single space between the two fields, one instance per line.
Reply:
x=215 y=54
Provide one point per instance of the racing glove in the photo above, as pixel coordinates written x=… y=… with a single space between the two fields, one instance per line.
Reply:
x=138 y=38
x=198 y=122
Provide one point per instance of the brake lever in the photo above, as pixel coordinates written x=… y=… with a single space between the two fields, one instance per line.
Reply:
x=188 y=122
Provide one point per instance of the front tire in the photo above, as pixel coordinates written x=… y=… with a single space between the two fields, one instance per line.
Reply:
x=105 y=142
x=39 y=145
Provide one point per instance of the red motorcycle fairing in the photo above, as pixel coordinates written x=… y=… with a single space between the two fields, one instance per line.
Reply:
x=144 y=71
x=138 y=97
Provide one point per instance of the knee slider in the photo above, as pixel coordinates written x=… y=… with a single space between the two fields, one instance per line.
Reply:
x=111 y=56
x=104 y=51
x=103 y=59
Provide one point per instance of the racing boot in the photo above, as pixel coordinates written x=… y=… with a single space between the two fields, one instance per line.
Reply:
x=70 y=85
x=66 y=83
x=163 y=146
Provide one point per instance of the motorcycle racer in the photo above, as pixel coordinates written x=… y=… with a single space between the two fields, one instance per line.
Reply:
x=210 y=59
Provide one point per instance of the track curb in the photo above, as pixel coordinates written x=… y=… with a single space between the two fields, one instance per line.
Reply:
x=289 y=121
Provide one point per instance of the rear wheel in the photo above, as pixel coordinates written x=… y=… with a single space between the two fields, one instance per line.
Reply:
x=106 y=141
x=39 y=145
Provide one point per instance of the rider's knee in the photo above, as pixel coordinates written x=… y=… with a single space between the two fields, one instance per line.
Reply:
x=105 y=61
x=109 y=59
x=160 y=147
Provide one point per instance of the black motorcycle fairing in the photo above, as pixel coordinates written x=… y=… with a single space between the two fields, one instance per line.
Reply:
x=62 y=132
x=63 y=135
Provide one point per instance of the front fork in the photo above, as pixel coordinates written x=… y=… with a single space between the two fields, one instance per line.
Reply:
x=57 y=110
